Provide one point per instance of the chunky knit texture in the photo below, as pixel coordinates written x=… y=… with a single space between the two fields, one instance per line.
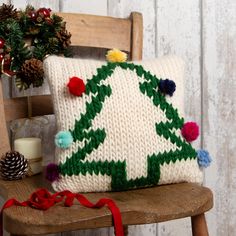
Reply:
x=126 y=133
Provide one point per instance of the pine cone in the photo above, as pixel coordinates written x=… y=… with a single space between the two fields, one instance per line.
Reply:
x=8 y=11
x=13 y=166
x=32 y=72
x=64 y=38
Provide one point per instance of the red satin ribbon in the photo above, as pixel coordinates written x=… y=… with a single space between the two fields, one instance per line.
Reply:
x=43 y=200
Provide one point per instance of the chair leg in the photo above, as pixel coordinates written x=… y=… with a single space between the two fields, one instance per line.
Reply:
x=199 y=225
x=126 y=230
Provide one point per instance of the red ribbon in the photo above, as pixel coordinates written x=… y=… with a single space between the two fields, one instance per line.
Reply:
x=42 y=199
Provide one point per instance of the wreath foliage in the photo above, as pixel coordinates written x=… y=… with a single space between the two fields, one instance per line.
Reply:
x=26 y=38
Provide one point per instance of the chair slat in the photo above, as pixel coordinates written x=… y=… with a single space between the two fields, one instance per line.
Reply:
x=98 y=31
x=137 y=36
x=17 y=108
x=4 y=144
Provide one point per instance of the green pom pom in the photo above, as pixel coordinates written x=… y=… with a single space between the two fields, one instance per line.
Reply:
x=63 y=139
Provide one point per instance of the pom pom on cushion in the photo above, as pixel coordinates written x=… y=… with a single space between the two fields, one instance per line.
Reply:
x=115 y=55
x=167 y=86
x=52 y=172
x=63 y=139
x=203 y=158
x=76 y=86
x=190 y=131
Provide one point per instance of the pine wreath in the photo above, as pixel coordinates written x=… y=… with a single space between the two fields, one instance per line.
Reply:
x=26 y=37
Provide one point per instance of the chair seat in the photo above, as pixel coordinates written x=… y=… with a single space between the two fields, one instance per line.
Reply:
x=141 y=206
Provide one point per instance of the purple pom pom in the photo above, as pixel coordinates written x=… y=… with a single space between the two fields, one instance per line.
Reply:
x=167 y=86
x=52 y=172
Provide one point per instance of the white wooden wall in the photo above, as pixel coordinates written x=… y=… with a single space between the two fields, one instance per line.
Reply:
x=203 y=32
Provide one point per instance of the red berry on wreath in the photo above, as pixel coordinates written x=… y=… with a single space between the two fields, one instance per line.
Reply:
x=32 y=15
x=7 y=60
x=44 y=12
x=1 y=56
x=2 y=43
x=76 y=86
x=190 y=131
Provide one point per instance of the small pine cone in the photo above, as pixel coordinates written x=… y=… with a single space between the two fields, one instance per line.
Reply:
x=32 y=72
x=64 y=38
x=13 y=166
x=8 y=11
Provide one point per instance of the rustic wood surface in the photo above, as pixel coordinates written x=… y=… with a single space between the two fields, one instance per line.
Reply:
x=219 y=110
x=142 y=206
x=204 y=34
x=122 y=8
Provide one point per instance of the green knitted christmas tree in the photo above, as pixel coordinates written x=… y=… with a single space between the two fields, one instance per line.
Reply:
x=84 y=132
x=117 y=127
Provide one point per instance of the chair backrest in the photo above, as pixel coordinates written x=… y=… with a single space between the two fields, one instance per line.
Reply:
x=87 y=31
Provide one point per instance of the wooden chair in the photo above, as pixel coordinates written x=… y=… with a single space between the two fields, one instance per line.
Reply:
x=142 y=206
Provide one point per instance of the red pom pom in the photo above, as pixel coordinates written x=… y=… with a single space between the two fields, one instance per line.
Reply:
x=76 y=86
x=190 y=131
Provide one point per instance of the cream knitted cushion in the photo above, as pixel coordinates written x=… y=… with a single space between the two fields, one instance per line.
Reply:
x=126 y=133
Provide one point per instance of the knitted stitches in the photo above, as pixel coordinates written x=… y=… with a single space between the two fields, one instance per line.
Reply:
x=99 y=142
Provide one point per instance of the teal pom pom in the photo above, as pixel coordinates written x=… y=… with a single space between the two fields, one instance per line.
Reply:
x=203 y=158
x=63 y=139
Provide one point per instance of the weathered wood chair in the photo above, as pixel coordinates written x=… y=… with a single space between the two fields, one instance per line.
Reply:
x=142 y=206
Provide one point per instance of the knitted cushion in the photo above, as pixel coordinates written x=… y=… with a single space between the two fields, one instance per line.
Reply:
x=126 y=132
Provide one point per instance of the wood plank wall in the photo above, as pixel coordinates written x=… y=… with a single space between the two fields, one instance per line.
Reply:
x=203 y=33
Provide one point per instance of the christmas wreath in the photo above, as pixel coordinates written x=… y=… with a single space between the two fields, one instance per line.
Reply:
x=26 y=38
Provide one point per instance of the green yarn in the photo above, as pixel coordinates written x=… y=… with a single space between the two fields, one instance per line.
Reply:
x=77 y=164
x=95 y=139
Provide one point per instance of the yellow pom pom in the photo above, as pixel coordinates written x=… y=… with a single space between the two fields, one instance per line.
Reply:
x=115 y=55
